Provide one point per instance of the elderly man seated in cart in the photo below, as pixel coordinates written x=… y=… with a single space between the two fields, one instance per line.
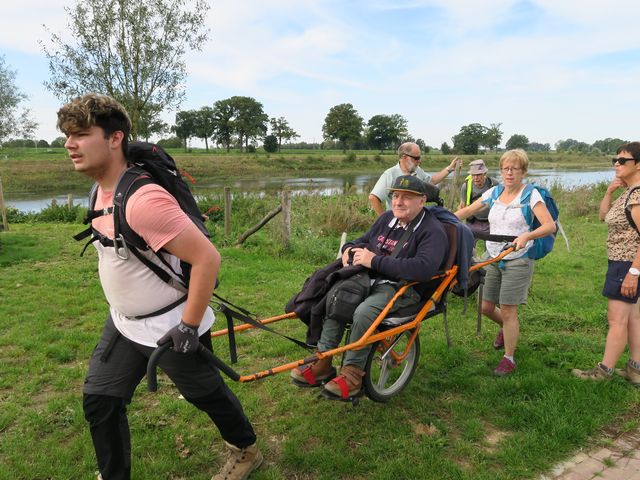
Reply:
x=405 y=244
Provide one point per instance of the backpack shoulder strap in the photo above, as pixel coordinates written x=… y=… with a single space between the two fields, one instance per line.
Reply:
x=90 y=215
x=495 y=193
x=130 y=181
x=525 y=201
x=627 y=210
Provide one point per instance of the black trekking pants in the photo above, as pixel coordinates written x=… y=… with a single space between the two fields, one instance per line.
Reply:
x=116 y=368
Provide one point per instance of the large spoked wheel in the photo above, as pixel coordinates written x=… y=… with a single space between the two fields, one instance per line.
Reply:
x=384 y=375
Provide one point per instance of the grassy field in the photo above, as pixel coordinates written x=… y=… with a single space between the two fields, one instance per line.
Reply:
x=46 y=170
x=455 y=420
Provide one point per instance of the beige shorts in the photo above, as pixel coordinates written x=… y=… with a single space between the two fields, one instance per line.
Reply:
x=507 y=282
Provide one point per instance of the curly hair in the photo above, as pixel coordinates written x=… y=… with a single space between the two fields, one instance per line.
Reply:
x=95 y=110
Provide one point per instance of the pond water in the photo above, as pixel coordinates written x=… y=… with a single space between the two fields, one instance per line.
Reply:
x=310 y=185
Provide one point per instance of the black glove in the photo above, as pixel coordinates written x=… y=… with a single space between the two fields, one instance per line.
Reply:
x=184 y=337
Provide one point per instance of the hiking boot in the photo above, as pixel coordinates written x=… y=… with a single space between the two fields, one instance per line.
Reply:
x=498 y=343
x=347 y=384
x=505 y=367
x=630 y=373
x=596 y=373
x=241 y=462
x=315 y=374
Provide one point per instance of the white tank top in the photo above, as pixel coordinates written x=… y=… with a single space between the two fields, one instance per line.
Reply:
x=132 y=289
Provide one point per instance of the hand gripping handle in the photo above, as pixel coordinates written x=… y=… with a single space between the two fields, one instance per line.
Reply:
x=207 y=355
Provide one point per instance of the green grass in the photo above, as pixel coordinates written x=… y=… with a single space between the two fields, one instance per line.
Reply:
x=453 y=421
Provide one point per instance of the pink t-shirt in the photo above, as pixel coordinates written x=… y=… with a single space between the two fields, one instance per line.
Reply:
x=131 y=288
x=152 y=213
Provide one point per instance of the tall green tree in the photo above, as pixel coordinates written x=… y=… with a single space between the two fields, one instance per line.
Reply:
x=386 y=131
x=250 y=121
x=493 y=136
x=13 y=121
x=572 y=145
x=150 y=124
x=282 y=131
x=469 y=139
x=185 y=126
x=608 y=145
x=342 y=123
x=131 y=50
x=223 y=123
x=517 y=141
x=445 y=148
x=205 y=124
x=538 y=147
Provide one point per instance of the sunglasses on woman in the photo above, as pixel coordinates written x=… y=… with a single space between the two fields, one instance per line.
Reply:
x=622 y=160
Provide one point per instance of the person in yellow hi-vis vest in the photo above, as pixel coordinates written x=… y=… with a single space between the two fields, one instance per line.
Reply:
x=476 y=183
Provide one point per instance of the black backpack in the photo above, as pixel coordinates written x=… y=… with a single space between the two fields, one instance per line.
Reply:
x=149 y=163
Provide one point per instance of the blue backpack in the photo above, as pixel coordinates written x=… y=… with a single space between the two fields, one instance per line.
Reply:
x=541 y=246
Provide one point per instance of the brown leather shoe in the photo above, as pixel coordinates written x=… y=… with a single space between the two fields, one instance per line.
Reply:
x=315 y=374
x=630 y=373
x=241 y=462
x=347 y=384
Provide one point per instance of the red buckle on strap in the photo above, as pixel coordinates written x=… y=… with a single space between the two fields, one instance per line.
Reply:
x=308 y=375
x=342 y=383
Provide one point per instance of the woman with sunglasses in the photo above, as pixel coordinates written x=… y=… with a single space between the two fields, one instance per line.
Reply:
x=621 y=282
x=507 y=282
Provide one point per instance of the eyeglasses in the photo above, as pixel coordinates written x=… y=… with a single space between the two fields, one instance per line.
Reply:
x=417 y=159
x=622 y=160
x=511 y=169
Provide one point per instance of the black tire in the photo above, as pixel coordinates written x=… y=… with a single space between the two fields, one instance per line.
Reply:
x=383 y=378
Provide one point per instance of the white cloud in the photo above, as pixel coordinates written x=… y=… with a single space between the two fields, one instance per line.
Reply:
x=545 y=68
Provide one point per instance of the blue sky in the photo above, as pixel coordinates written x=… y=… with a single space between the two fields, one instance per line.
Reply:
x=548 y=69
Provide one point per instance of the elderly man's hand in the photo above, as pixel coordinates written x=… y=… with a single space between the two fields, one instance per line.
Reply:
x=345 y=257
x=454 y=164
x=362 y=256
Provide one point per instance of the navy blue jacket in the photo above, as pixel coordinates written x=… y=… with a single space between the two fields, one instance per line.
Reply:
x=421 y=257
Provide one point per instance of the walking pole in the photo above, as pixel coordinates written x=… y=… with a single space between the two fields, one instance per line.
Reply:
x=453 y=186
x=479 y=321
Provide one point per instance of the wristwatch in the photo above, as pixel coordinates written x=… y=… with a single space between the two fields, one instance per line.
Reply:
x=634 y=271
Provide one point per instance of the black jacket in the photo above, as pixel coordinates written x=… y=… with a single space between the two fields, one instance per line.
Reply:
x=309 y=304
x=421 y=257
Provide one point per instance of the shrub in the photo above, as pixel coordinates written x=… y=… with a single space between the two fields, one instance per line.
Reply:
x=171 y=142
x=61 y=213
x=58 y=142
x=270 y=144
x=350 y=158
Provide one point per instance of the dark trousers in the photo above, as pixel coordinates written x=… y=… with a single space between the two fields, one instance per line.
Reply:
x=118 y=365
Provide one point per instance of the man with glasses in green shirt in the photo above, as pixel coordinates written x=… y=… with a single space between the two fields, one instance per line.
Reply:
x=409 y=157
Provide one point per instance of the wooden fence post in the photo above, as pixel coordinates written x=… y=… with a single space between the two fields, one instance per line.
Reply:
x=5 y=225
x=286 y=218
x=227 y=211
x=69 y=201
